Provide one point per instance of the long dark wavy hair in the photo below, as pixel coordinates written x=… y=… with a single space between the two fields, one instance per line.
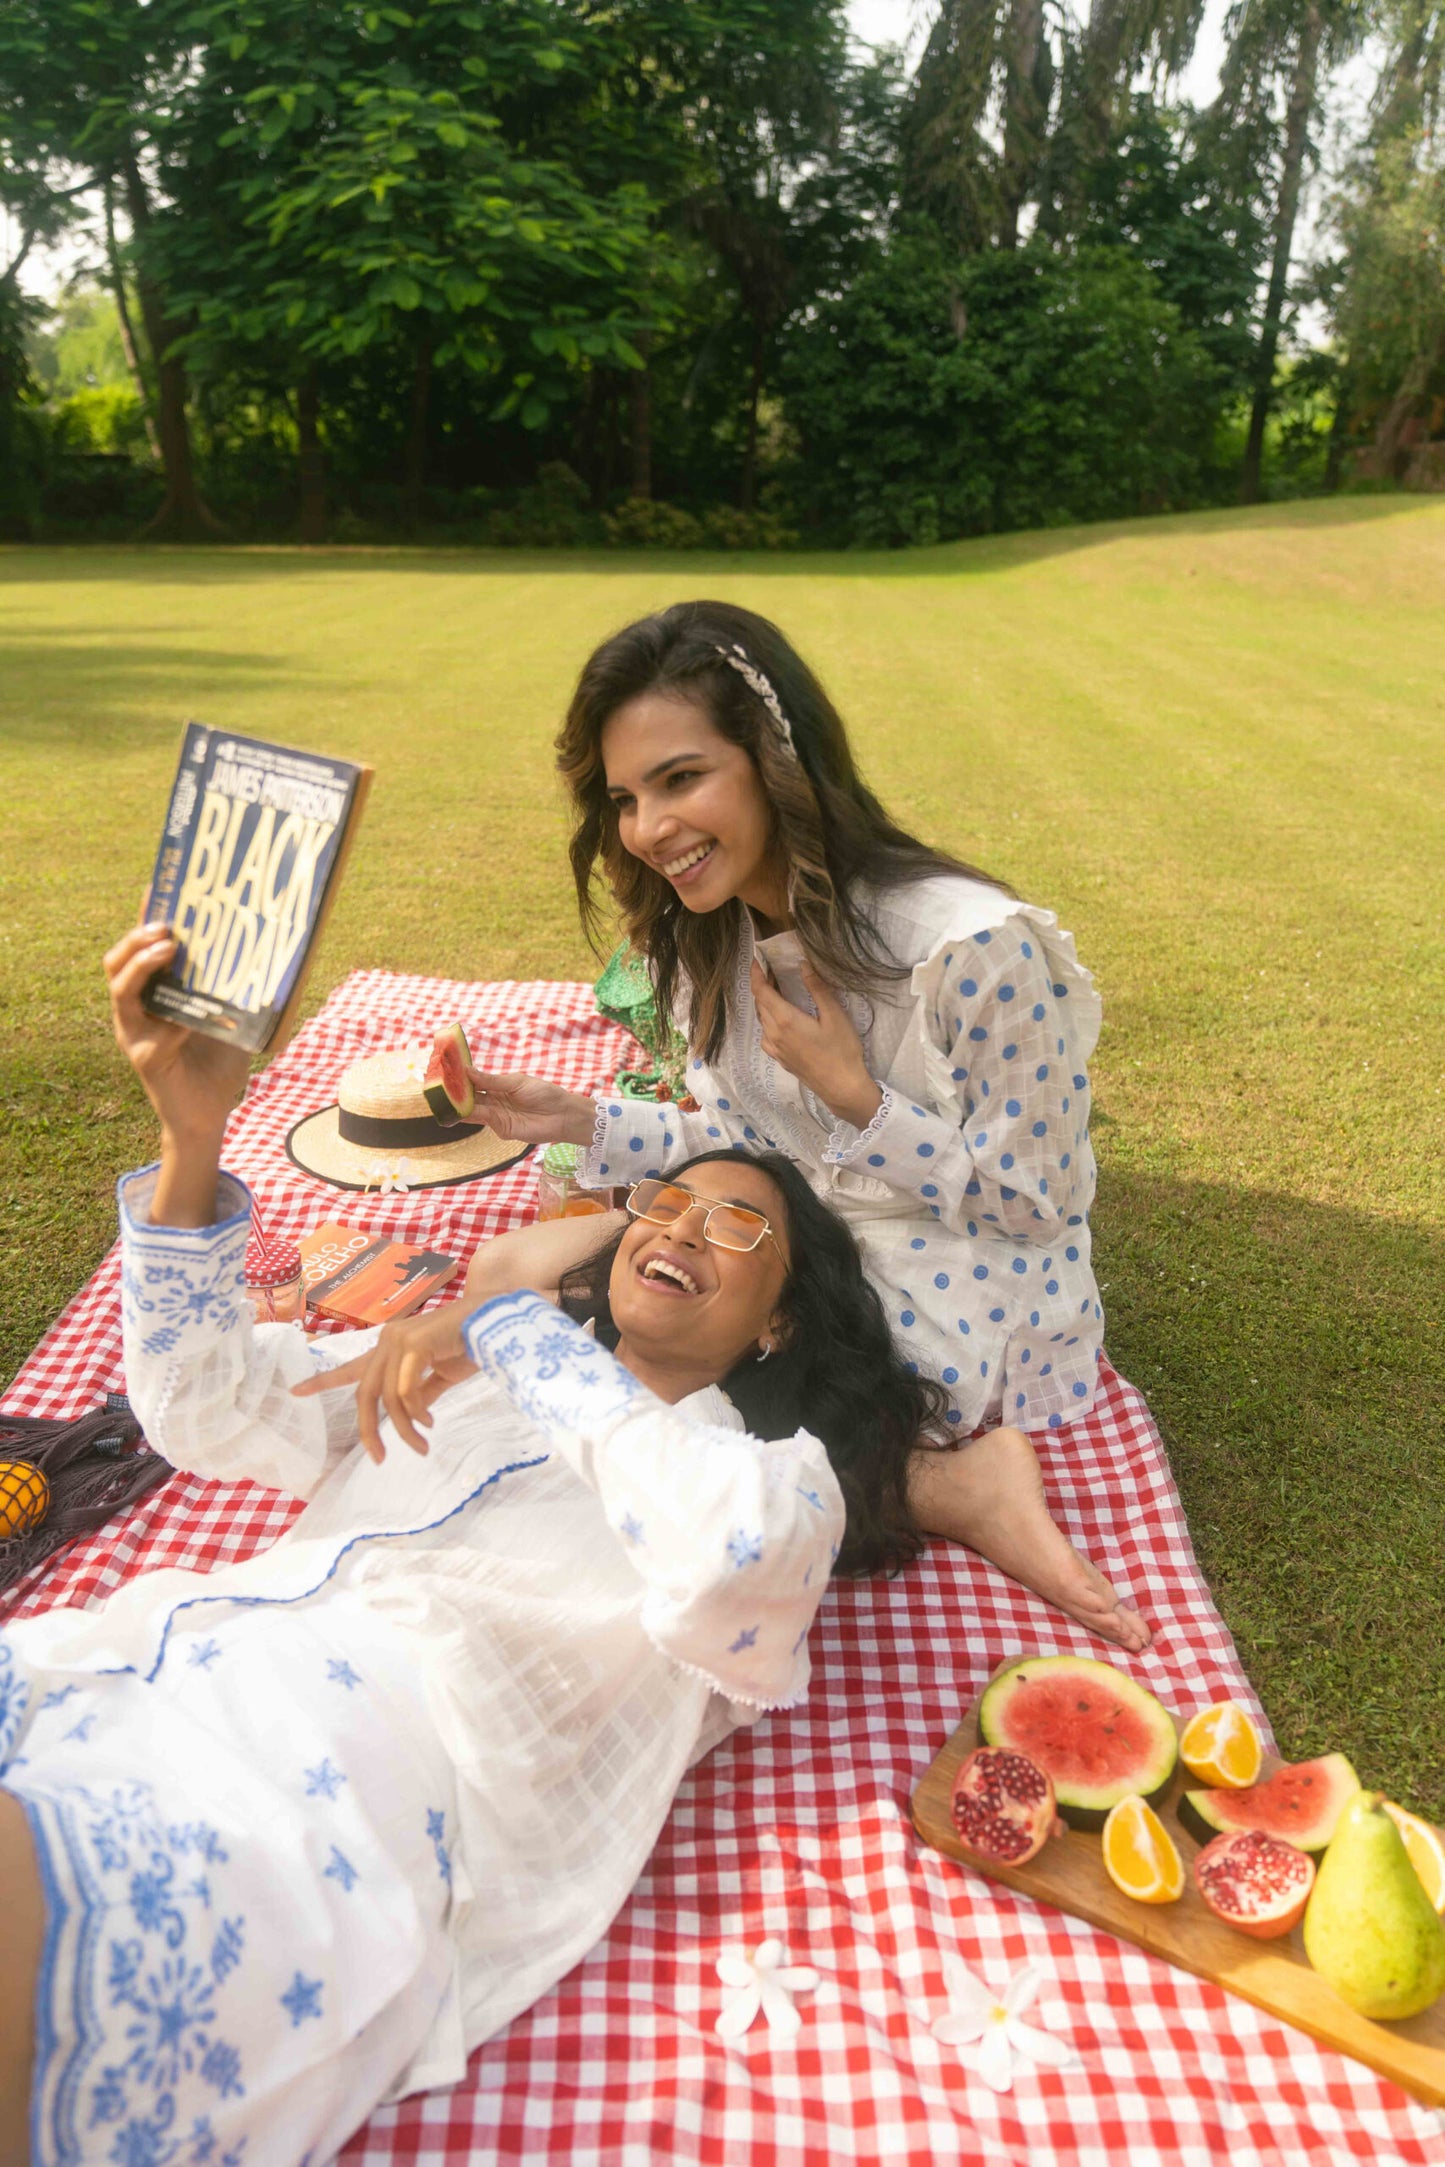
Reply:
x=835 y=1370
x=829 y=831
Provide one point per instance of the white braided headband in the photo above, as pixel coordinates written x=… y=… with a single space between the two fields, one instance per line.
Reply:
x=736 y=658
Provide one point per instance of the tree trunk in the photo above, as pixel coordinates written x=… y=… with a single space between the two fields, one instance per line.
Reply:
x=1389 y=454
x=414 y=471
x=310 y=467
x=183 y=516
x=748 y=485
x=1023 y=132
x=127 y=328
x=1339 y=425
x=1296 y=136
x=640 y=385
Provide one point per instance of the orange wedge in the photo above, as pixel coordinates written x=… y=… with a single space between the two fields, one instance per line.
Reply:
x=1222 y=1747
x=1427 y=1853
x=1139 y=1857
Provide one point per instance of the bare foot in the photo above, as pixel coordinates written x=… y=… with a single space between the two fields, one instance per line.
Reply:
x=990 y=1495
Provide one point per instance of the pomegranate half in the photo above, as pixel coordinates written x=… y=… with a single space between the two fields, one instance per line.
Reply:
x=1003 y=1806
x=1255 y=1882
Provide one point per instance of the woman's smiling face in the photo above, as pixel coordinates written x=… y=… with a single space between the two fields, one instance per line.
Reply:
x=691 y=805
x=679 y=1301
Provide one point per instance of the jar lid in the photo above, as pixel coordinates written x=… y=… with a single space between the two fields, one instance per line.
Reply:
x=272 y=1263
x=560 y=1160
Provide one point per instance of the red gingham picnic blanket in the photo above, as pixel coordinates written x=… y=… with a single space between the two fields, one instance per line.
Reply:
x=799 y=1827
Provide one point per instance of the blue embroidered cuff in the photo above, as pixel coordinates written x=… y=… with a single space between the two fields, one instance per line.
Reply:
x=550 y=1368
x=181 y=1288
x=133 y=1193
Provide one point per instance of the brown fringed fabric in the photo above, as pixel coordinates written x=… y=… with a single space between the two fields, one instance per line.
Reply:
x=94 y=1470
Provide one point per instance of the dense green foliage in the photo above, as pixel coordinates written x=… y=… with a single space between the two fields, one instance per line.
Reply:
x=1017 y=390
x=555 y=271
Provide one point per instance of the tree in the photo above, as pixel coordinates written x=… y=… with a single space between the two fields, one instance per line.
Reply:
x=1279 y=50
x=942 y=396
x=1389 y=304
x=89 y=91
x=354 y=186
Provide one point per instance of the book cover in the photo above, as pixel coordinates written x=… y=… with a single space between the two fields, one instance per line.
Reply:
x=365 y=1278
x=249 y=860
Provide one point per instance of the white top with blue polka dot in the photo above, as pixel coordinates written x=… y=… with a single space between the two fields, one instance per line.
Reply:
x=970 y=1190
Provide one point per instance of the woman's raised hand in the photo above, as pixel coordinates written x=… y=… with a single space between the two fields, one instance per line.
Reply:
x=413 y=1362
x=192 y=1081
x=525 y=1110
x=824 y=1051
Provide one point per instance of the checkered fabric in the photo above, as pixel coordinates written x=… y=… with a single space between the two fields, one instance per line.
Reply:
x=799 y=1827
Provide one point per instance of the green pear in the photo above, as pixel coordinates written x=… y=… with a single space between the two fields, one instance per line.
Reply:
x=1370 y=1929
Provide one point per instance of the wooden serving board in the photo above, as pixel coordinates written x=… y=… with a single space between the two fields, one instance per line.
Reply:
x=1274 y=1975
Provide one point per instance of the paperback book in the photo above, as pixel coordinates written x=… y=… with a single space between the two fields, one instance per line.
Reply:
x=365 y=1278
x=250 y=859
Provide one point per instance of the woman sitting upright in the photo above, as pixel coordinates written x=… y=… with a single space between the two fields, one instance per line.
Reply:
x=911 y=1033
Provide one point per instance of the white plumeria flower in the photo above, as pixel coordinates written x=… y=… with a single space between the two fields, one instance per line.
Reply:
x=992 y=2026
x=394 y=1177
x=762 y=1981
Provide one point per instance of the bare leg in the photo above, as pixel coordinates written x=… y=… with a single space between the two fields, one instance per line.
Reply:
x=990 y=1496
x=20 y=1944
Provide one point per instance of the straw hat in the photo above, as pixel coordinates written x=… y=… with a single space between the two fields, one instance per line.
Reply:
x=381 y=1133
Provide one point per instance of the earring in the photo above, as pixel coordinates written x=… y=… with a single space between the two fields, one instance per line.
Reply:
x=767 y=1350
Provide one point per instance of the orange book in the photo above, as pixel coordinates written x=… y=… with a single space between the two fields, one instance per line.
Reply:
x=365 y=1278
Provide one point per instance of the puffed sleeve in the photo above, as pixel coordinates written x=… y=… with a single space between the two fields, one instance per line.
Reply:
x=637 y=1137
x=211 y=1390
x=1008 y=1150
x=734 y=1539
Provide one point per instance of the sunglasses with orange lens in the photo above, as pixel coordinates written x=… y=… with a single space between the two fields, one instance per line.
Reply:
x=726 y=1226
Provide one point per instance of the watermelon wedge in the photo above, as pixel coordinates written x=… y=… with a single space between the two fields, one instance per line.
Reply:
x=1096 y=1733
x=1299 y=1803
x=446 y=1086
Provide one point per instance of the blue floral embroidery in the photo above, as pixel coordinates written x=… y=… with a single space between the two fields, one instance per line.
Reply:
x=14 y=1700
x=201 y=1292
x=744 y=1549
x=227 y=1948
x=81 y=1731
x=323 y=1782
x=523 y=1339
x=342 y=1870
x=436 y=1822
x=811 y=1497
x=631 y=1527
x=746 y=1639
x=52 y=1699
x=204 y=1654
x=302 y=1999
x=166 y=2023
x=340 y=1672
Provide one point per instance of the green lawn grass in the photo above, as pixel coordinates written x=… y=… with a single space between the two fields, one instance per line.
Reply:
x=1212 y=743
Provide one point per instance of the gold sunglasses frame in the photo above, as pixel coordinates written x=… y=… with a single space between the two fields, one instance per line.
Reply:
x=702 y=1203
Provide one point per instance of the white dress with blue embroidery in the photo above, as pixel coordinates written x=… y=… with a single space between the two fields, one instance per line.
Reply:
x=970 y=1189
x=314 y=1825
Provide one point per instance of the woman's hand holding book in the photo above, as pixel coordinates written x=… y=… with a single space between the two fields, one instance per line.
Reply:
x=192 y=1081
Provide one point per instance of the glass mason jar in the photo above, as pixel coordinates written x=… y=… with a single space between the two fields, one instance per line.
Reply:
x=560 y=1195
x=273 y=1283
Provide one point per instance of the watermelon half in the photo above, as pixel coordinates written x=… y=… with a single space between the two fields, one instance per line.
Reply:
x=1299 y=1803
x=1096 y=1733
x=446 y=1086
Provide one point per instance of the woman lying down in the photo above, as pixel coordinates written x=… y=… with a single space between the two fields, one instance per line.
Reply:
x=287 y=1839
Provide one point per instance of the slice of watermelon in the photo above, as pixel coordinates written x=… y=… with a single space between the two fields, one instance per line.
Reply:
x=446 y=1086
x=1088 y=1726
x=1299 y=1803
